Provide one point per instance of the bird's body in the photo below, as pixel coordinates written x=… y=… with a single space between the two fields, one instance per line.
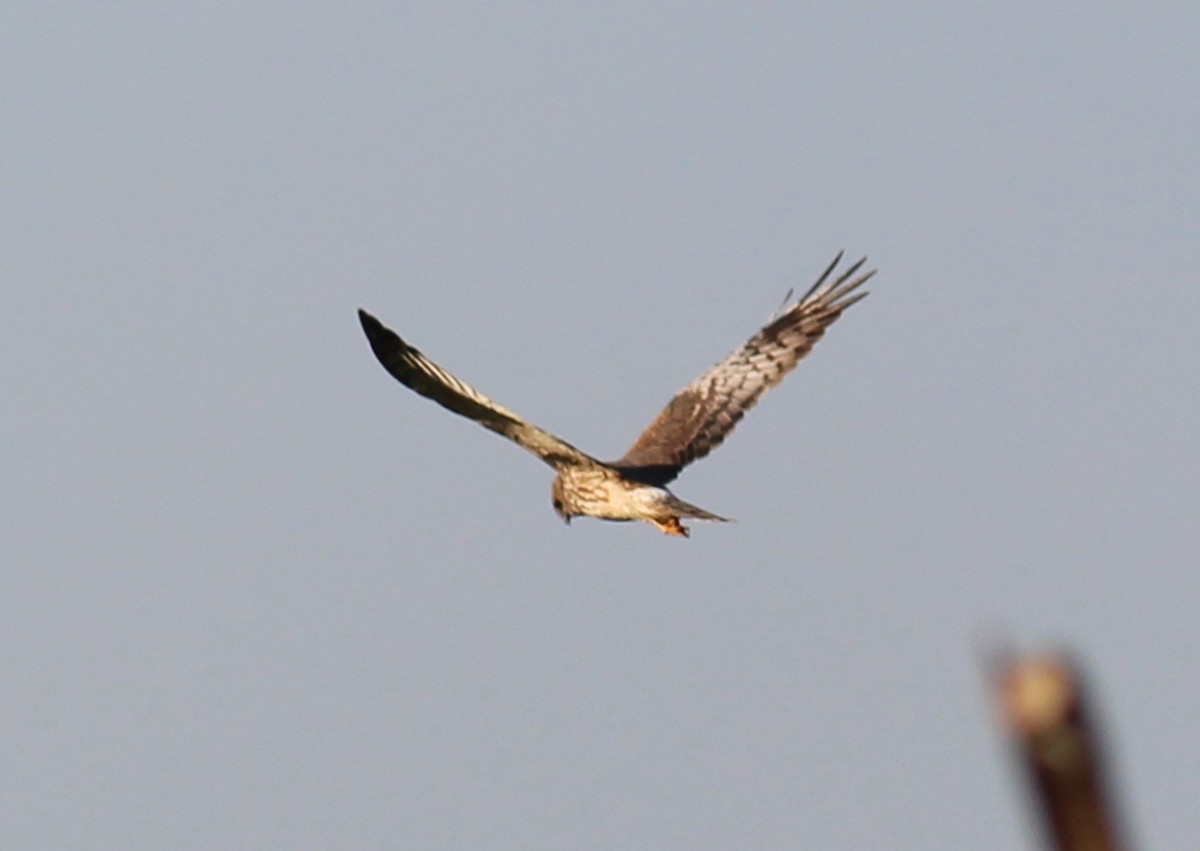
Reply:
x=693 y=423
x=604 y=493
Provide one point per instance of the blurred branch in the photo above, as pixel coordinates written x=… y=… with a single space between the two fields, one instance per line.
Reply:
x=1044 y=706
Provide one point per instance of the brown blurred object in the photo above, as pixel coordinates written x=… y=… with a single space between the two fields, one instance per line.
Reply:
x=1044 y=706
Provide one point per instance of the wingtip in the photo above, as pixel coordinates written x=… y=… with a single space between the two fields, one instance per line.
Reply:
x=369 y=323
x=378 y=334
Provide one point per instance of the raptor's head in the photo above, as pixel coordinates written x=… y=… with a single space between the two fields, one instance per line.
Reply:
x=559 y=500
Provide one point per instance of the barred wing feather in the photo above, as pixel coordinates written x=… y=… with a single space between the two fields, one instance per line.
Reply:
x=415 y=371
x=705 y=412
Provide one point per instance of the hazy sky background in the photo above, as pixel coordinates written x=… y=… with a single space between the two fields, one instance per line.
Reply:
x=258 y=595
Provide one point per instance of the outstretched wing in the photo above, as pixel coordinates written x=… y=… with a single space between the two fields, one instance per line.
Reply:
x=417 y=372
x=704 y=413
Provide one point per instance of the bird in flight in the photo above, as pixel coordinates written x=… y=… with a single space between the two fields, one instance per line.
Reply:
x=696 y=421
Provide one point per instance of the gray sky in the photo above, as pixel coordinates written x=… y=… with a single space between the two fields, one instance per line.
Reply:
x=257 y=595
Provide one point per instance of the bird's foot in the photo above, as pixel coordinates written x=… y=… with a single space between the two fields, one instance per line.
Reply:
x=672 y=526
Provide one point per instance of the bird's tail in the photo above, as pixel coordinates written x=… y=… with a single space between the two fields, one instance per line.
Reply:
x=686 y=509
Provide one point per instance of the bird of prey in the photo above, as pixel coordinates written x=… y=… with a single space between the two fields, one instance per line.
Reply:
x=697 y=420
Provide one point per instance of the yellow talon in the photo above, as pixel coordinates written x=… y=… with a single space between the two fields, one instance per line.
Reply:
x=672 y=526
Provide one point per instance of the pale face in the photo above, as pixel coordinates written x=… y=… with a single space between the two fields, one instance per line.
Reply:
x=558 y=501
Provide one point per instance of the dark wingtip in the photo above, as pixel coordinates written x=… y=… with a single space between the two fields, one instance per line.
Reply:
x=382 y=339
x=367 y=320
x=375 y=330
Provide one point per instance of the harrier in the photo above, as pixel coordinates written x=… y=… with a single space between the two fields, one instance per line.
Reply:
x=696 y=421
